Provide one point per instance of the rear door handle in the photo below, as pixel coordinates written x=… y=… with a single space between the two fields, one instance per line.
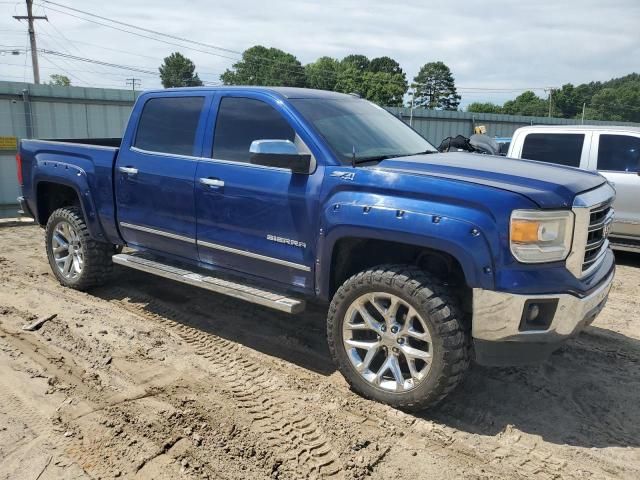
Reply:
x=128 y=170
x=212 y=182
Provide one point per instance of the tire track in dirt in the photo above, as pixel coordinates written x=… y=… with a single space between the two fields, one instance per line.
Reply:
x=277 y=422
x=35 y=424
x=273 y=408
x=508 y=451
x=269 y=404
x=31 y=414
x=264 y=400
x=77 y=432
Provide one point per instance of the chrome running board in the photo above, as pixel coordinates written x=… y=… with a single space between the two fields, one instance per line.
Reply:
x=249 y=293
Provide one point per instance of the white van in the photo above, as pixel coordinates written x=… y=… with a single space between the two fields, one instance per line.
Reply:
x=613 y=151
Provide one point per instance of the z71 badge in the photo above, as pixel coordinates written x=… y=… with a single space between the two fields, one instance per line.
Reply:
x=344 y=175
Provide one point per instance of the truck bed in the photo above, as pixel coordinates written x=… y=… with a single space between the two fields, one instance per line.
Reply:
x=101 y=142
x=84 y=165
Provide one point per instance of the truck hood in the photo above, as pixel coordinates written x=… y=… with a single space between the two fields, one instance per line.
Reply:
x=550 y=186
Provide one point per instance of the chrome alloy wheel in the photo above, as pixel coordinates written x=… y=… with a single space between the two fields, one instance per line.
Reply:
x=387 y=342
x=67 y=250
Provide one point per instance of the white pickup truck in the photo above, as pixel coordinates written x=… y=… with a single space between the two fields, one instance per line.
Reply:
x=614 y=151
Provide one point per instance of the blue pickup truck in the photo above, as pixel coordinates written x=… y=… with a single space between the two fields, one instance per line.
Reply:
x=279 y=196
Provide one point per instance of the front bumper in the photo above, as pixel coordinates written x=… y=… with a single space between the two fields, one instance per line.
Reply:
x=502 y=335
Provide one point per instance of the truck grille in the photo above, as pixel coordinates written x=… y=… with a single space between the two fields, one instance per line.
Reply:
x=593 y=216
x=600 y=217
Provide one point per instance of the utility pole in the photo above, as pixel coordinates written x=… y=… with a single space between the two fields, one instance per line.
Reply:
x=134 y=82
x=551 y=90
x=584 y=105
x=32 y=38
x=412 y=92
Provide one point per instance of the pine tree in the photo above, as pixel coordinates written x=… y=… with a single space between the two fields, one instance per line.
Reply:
x=178 y=71
x=436 y=88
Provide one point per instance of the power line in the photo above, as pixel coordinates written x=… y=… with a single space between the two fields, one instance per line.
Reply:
x=460 y=88
x=175 y=37
x=97 y=62
x=141 y=35
x=63 y=70
x=216 y=47
x=64 y=61
x=121 y=67
x=59 y=43
x=463 y=89
x=194 y=42
x=483 y=90
x=148 y=30
x=74 y=41
x=78 y=70
x=52 y=25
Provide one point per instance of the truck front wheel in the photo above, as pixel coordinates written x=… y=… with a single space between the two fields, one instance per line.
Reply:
x=395 y=334
x=76 y=259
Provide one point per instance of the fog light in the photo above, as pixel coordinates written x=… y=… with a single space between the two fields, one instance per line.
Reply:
x=532 y=312
x=538 y=314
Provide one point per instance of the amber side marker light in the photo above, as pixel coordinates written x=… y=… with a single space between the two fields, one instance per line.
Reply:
x=524 y=231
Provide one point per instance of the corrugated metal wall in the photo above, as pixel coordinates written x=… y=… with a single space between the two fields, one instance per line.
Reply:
x=436 y=125
x=9 y=190
x=45 y=111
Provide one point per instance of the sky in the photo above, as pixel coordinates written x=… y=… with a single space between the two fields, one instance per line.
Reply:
x=496 y=49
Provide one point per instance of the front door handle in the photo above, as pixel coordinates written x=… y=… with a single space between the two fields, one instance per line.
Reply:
x=212 y=182
x=128 y=170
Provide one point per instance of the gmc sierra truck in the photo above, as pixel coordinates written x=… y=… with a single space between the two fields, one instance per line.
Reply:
x=279 y=196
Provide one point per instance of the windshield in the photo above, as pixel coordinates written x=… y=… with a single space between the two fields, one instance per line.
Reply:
x=358 y=125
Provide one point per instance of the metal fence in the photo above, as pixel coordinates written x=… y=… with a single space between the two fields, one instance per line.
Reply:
x=436 y=125
x=45 y=111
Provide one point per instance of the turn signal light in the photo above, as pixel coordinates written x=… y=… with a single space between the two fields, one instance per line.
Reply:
x=524 y=231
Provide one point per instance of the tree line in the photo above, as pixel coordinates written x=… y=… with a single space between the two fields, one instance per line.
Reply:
x=380 y=79
x=617 y=99
x=383 y=81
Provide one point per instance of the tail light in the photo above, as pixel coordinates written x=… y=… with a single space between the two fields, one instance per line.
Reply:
x=19 y=167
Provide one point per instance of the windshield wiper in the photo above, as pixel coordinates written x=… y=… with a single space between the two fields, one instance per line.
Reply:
x=374 y=158
x=379 y=158
x=426 y=152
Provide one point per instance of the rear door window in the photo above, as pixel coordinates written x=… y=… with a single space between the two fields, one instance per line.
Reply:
x=619 y=153
x=169 y=125
x=558 y=148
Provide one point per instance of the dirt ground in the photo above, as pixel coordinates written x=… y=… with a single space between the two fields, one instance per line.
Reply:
x=146 y=378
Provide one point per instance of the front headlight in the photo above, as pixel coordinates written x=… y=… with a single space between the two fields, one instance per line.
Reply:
x=539 y=236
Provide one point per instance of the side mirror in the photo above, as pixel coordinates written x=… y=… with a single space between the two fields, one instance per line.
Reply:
x=279 y=153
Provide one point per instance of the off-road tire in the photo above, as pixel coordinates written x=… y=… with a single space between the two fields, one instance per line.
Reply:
x=436 y=305
x=97 y=266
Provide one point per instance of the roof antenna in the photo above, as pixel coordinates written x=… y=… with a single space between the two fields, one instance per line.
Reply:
x=353 y=157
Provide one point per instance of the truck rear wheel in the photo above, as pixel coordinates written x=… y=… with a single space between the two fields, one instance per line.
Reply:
x=395 y=334
x=76 y=259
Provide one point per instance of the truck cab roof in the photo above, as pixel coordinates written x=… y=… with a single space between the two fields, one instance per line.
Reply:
x=578 y=128
x=284 y=92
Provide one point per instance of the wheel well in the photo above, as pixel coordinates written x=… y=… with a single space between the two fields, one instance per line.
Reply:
x=353 y=255
x=51 y=196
